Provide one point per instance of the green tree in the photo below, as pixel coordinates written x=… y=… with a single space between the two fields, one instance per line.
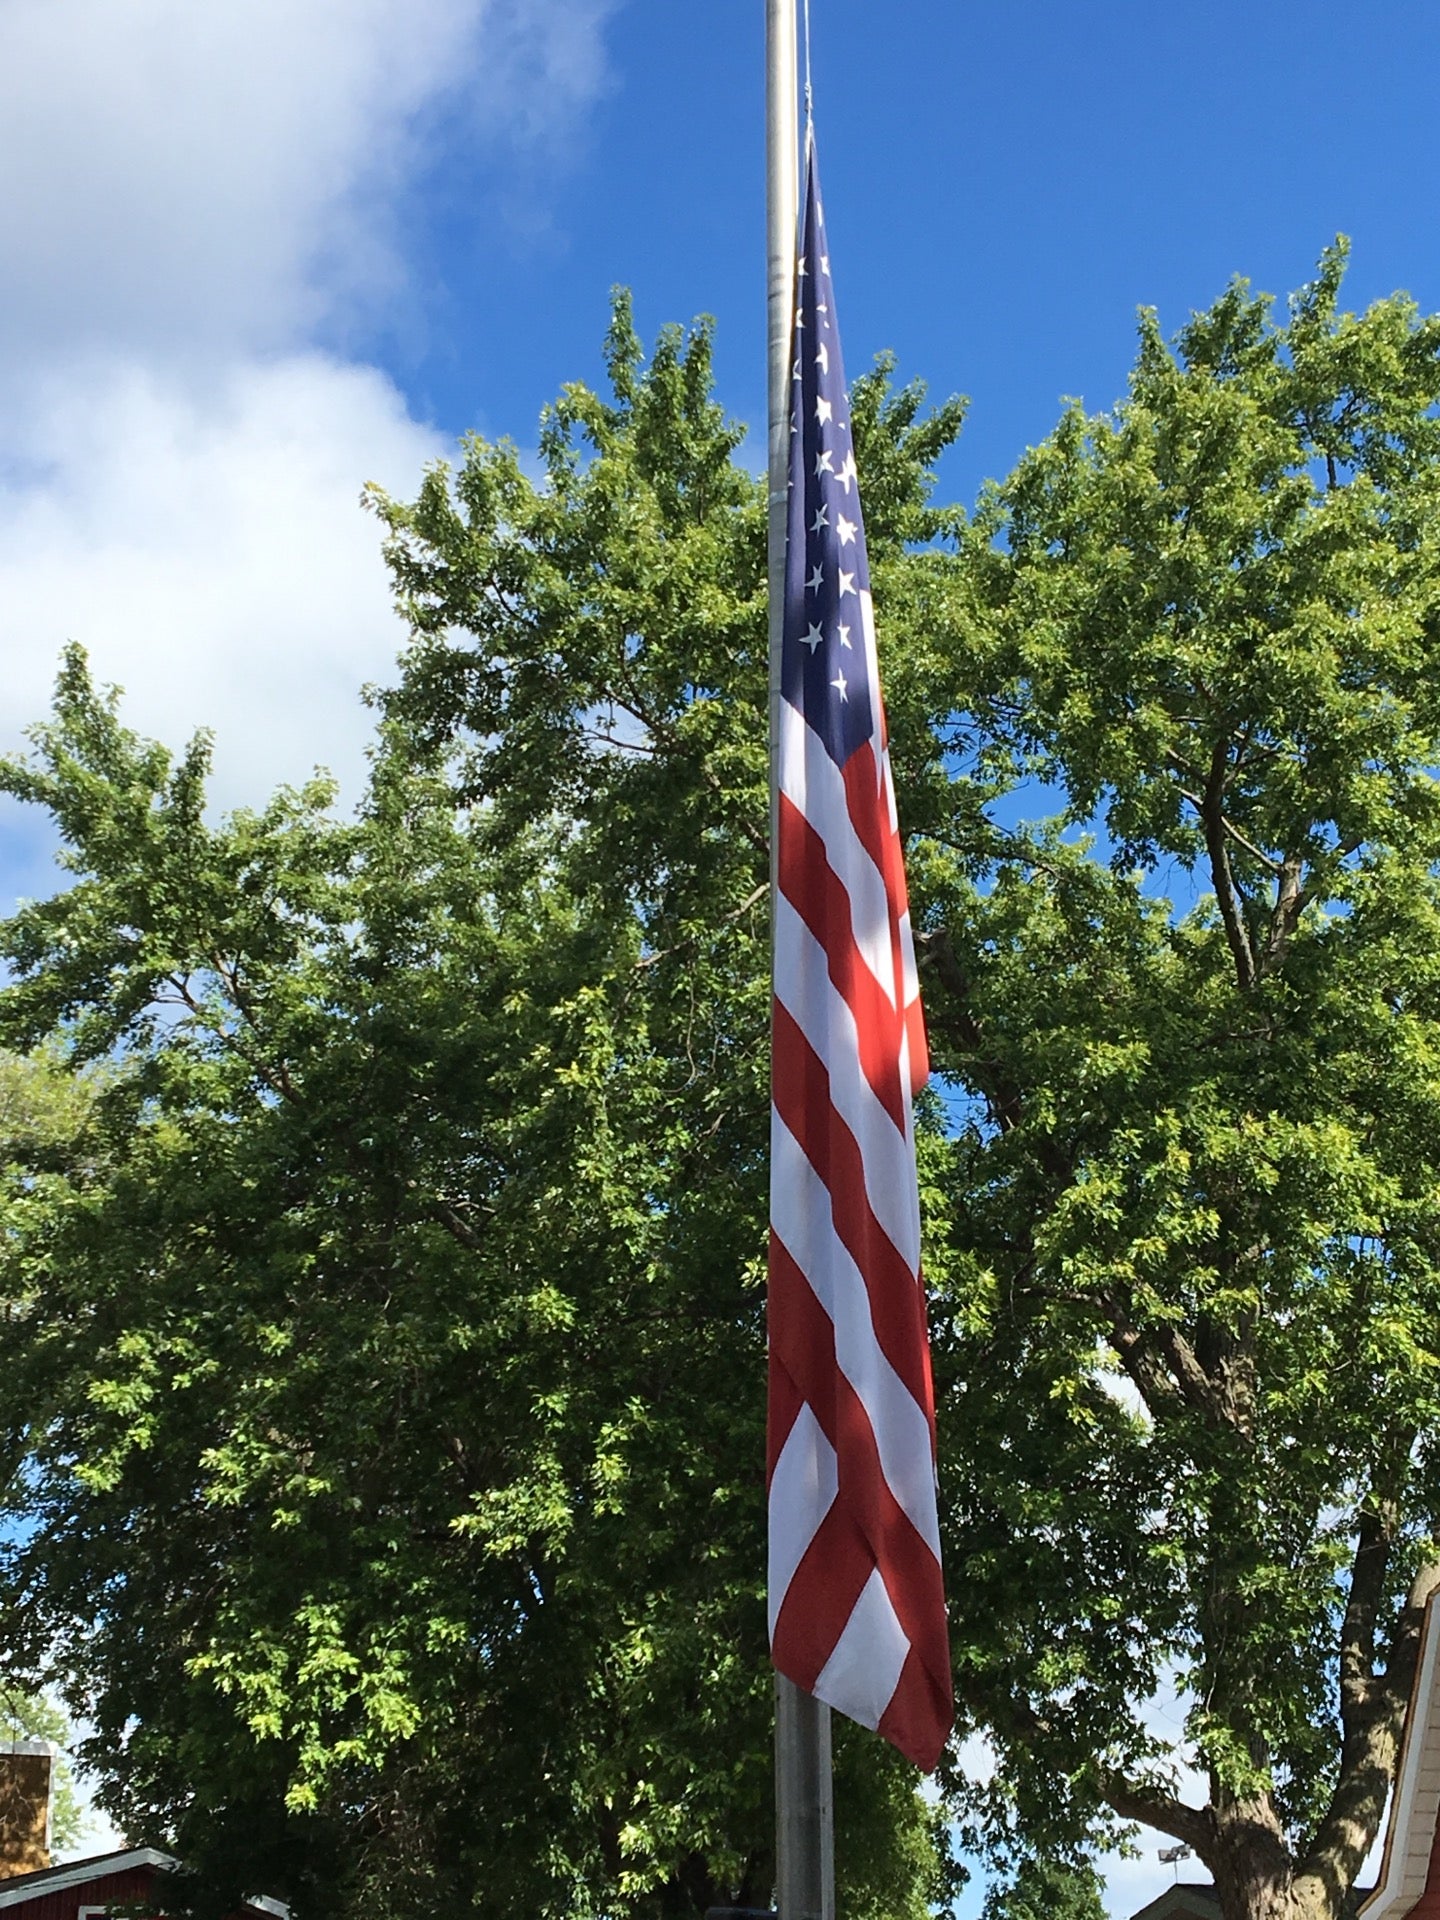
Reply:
x=473 y=1090
x=1182 y=1231
x=388 y=1344
x=1042 y=1888
x=1192 y=1213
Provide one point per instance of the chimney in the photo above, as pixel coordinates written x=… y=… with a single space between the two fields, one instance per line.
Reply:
x=26 y=1783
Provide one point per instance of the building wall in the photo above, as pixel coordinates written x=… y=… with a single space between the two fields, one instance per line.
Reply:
x=24 y=1812
x=110 y=1889
x=1427 y=1907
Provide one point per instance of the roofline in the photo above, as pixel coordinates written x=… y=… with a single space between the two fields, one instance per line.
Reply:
x=1388 y=1892
x=98 y=1866
x=1180 y=1896
x=74 y=1873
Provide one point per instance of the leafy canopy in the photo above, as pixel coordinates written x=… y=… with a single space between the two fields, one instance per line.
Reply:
x=1192 y=1214
x=389 y=1321
x=388 y=1391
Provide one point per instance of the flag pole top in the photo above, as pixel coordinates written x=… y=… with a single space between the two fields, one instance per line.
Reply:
x=809 y=91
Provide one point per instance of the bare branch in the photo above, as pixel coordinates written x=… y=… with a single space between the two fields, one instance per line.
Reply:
x=277 y=1076
x=444 y=1215
x=1135 y=1800
x=735 y=913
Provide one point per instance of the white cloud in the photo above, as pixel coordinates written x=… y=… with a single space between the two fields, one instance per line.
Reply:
x=201 y=177
x=211 y=555
x=198 y=197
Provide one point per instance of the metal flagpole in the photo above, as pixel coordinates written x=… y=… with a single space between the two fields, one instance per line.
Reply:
x=804 y=1806
x=804 y=1800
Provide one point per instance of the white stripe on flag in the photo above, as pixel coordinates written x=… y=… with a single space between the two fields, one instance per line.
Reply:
x=800 y=1212
x=802 y=1491
x=863 y=1672
x=804 y=988
x=811 y=779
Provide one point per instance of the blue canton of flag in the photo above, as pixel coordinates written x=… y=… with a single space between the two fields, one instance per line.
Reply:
x=826 y=672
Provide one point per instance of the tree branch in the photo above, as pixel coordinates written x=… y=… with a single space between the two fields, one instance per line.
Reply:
x=1168 y=1371
x=1368 y=1566
x=1373 y=1711
x=937 y=952
x=1291 y=900
x=1156 y=1388
x=735 y=913
x=1228 y=826
x=1227 y=894
x=1132 y=1800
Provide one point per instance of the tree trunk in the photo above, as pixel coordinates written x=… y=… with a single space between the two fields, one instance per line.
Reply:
x=1252 y=1866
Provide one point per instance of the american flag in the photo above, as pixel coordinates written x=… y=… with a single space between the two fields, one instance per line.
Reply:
x=857 y=1607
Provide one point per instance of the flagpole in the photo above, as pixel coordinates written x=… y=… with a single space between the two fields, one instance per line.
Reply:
x=804 y=1798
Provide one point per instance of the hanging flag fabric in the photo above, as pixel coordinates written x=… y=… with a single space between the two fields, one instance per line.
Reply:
x=857 y=1608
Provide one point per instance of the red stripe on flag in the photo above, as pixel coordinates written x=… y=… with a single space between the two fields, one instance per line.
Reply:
x=782 y=1411
x=866 y=1528
x=918 y=1717
x=864 y=800
x=821 y=1597
x=817 y=894
x=897 y=1310
x=868 y=807
x=919 y=1045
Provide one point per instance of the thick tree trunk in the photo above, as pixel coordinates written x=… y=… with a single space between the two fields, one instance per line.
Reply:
x=1250 y=1862
x=1241 y=1841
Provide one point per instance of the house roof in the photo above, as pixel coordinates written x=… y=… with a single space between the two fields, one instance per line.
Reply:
x=74 y=1873
x=1185 y=1900
x=98 y=1866
x=1410 y=1839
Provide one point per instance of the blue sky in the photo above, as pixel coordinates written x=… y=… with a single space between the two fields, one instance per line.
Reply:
x=265 y=250
x=258 y=252
x=1006 y=183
